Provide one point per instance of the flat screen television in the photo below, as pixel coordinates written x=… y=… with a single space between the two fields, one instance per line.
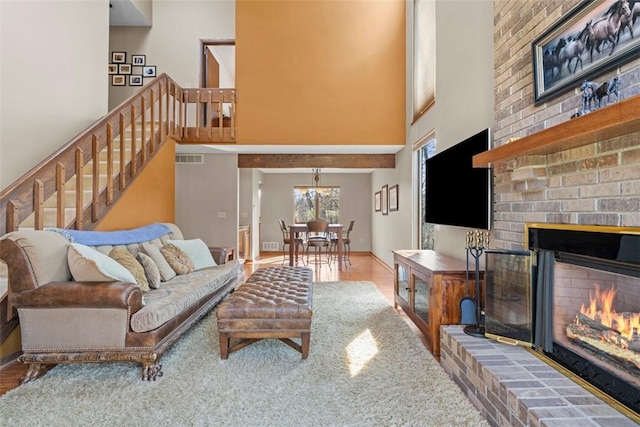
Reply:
x=456 y=193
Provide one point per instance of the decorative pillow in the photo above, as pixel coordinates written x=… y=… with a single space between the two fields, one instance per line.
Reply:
x=177 y=259
x=197 y=251
x=130 y=262
x=88 y=265
x=151 y=270
x=166 y=272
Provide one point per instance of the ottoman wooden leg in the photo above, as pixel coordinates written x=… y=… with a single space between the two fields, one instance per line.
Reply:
x=306 y=338
x=224 y=345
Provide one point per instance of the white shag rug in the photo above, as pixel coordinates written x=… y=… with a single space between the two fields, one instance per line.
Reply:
x=365 y=368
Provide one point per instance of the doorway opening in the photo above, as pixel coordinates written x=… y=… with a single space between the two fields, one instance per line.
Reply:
x=217 y=70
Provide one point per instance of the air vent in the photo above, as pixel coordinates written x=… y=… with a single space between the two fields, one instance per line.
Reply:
x=269 y=246
x=189 y=159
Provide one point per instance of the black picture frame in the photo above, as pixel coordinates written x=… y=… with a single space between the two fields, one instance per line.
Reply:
x=378 y=201
x=149 y=71
x=118 y=57
x=113 y=68
x=385 y=200
x=552 y=78
x=138 y=60
x=135 y=80
x=393 y=198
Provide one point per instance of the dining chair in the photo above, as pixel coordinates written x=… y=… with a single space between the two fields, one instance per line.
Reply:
x=318 y=239
x=346 y=242
x=286 y=240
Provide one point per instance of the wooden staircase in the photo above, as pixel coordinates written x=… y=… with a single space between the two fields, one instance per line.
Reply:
x=77 y=185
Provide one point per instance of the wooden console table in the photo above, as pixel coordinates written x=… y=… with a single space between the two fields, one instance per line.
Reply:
x=429 y=286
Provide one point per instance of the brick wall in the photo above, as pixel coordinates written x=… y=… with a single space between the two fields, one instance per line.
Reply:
x=597 y=184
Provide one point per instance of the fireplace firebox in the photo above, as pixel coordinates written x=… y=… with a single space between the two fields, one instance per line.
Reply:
x=579 y=306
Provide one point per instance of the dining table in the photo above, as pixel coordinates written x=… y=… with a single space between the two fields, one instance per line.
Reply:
x=296 y=230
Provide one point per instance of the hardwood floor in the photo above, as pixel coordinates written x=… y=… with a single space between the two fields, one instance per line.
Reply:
x=363 y=267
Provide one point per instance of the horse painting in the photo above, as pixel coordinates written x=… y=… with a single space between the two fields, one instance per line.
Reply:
x=551 y=59
x=575 y=47
x=629 y=21
x=606 y=29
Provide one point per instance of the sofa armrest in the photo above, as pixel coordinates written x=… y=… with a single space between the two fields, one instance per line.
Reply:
x=221 y=255
x=81 y=294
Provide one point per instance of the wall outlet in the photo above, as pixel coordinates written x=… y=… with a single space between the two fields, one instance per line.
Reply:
x=222 y=214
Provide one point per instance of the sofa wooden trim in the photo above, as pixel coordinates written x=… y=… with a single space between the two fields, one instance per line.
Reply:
x=122 y=299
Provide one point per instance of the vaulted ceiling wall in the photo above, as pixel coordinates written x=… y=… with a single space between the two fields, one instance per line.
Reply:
x=321 y=73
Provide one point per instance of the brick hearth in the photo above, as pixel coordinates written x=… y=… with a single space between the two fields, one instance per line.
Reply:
x=513 y=387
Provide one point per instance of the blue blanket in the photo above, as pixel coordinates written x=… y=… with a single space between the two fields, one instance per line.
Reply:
x=119 y=237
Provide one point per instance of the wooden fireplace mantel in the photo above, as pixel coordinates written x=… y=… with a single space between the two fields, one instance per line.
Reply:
x=611 y=121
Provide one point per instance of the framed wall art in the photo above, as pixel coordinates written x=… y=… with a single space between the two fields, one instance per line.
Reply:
x=378 y=201
x=118 y=80
x=118 y=57
x=393 y=198
x=137 y=60
x=124 y=69
x=113 y=68
x=385 y=200
x=149 y=71
x=577 y=47
x=135 y=80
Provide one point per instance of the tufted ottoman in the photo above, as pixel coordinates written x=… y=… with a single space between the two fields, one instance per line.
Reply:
x=274 y=302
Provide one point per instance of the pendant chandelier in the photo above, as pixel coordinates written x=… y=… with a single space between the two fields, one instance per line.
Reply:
x=315 y=175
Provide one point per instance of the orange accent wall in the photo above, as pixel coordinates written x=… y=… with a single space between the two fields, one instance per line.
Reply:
x=321 y=72
x=151 y=197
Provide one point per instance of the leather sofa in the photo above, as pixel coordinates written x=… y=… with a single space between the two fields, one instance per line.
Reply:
x=64 y=320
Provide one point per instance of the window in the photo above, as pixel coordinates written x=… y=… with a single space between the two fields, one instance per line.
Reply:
x=424 y=49
x=316 y=202
x=423 y=149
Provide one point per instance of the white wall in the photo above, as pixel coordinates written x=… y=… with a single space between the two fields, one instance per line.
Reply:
x=172 y=44
x=204 y=192
x=53 y=79
x=355 y=203
x=249 y=205
x=464 y=105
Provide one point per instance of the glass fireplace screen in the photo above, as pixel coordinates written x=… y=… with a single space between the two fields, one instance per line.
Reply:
x=509 y=276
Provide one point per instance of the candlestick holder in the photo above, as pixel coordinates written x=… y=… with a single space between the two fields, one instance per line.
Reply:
x=476 y=243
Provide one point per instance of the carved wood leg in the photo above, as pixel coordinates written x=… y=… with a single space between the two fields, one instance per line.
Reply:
x=151 y=370
x=35 y=371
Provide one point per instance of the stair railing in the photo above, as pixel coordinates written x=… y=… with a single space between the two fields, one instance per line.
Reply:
x=77 y=185
x=122 y=142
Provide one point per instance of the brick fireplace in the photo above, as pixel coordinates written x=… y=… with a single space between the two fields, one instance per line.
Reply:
x=551 y=169
x=563 y=322
x=587 y=304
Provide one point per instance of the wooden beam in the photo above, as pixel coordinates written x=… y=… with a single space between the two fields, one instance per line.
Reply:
x=346 y=161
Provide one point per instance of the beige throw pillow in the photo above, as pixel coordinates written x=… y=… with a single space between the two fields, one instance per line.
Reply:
x=166 y=272
x=177 y=259
x=150 y=270
x=129 y=262
x=88 y=265
x=197 y=250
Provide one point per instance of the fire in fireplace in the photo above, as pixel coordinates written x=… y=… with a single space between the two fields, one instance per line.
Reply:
x=583 y=311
